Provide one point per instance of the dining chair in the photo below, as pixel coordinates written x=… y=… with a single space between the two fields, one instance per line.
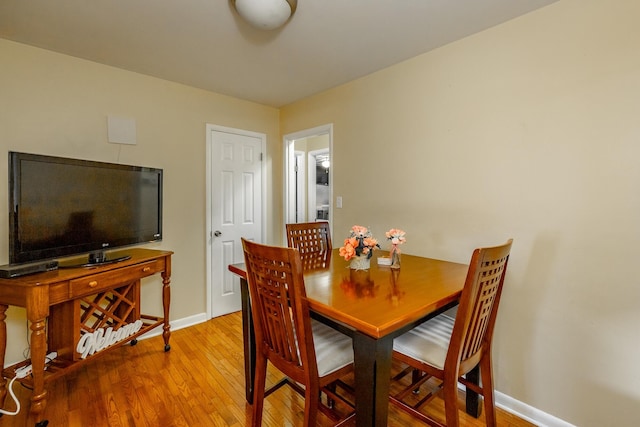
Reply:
x=315 y=261
x=306 y=351
x=447 y=348
x=309 y=236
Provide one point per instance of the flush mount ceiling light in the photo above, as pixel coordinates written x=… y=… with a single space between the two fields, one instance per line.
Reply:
x=265 y=14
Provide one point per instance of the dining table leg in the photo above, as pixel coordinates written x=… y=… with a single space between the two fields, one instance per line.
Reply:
x=372 y=363
x=249 y=340
x=472 y=401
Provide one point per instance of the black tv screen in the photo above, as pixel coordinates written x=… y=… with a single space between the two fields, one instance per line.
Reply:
x=61 y=207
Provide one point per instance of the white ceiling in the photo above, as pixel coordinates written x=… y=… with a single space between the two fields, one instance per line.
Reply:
x=205 y=44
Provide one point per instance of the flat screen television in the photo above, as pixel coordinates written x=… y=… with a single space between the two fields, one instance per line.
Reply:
x=60 y=207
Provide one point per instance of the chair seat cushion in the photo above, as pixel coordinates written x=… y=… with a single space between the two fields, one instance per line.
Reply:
x=334 y=350
x=427 y=342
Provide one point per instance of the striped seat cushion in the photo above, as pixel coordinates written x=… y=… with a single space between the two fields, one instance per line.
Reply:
x=334 y=349
x=427 y=342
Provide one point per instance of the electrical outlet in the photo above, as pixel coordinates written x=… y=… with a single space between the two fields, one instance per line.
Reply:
x=339 y=202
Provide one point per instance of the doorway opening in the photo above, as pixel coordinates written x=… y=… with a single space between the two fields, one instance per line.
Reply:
x=319 y=198
x=308 y=175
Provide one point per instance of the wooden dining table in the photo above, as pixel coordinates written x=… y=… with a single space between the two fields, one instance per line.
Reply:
x=372 y=306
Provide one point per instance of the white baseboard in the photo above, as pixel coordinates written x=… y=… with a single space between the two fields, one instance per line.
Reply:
x=185 y=322
x=528 y=413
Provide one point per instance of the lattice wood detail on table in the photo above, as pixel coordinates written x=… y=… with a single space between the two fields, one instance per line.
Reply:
x=112 y=308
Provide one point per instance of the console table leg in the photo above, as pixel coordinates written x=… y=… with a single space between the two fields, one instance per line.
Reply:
x=37 y=313
x=166 y=301
x=38 y=354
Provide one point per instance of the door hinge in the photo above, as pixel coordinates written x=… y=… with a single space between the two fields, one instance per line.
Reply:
x=260 y=156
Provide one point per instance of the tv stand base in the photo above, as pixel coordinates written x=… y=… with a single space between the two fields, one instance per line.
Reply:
x=94 y=260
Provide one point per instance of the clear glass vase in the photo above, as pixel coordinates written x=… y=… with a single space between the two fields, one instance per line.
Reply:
x=394 y=253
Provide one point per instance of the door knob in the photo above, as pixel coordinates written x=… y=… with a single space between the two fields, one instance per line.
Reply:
x=217 y=233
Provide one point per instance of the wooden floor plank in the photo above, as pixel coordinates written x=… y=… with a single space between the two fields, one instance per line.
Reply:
x=199 y=382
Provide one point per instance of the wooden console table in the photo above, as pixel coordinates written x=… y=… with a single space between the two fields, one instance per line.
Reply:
x=65 y=304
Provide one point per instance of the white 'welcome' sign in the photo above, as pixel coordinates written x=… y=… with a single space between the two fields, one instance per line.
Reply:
x=92 y=342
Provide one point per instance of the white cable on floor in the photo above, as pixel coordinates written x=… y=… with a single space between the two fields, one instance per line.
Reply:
x=15 y=399
x=21 y=373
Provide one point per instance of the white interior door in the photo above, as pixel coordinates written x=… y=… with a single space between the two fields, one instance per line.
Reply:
x=234 y=193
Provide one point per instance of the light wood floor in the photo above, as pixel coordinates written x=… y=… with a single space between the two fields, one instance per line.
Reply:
x=199 y=382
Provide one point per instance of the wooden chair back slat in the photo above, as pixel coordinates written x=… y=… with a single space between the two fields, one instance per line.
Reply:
x=470 y=341
x=284 y=334
x=309 y=237
x=476 y=315
x=277 y=290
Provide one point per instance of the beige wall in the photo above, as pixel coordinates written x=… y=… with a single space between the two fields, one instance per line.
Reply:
x=58 y=105
x=528 y=130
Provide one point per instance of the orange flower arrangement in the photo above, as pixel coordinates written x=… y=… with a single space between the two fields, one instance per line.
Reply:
x=397 y=237
x=360 y=242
